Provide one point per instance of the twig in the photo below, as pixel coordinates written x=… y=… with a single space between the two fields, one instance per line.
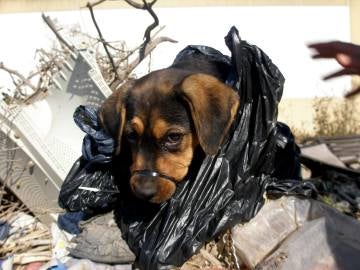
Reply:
x=108 y=43
x=51 y=25
x=28 y=257
x=95 y=3
x=7 y=212
x=147 y=35
x=151 y=26
x=151 y=46
x=131 y=52
x=123 y=74
x=137 y=5
x=102 y=40
x=209 y=257
x=20 y=76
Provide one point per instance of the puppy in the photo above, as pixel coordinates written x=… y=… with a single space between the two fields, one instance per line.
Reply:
x=164 y=117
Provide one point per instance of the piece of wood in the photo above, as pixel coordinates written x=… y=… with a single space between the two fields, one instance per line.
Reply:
x=210 y=257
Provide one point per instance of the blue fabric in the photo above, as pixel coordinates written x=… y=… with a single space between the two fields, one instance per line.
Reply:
x=60 y=266
x=4 y=230
x=97 y=144
x=69 y=221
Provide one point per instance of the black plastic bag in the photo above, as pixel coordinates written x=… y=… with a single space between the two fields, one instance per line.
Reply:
x=93 y=169
x=259 y=155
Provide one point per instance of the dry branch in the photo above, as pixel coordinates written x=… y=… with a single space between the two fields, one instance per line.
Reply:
x=147 y=35
x=29 y=87
x=149 y=48
x=95 y=3
x=124 y=74
x=102 y=40
x=23 y=80
x=139 y=6
x=51 y=25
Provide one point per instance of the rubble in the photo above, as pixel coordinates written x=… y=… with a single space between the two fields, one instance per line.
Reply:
x=343 y=150
x=39 y=161
x=27 y=240
x=333 y=163
x=298 y=233
x=35 y=158
x=100 y=241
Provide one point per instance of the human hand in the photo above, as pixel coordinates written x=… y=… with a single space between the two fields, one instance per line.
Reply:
x=346 y=54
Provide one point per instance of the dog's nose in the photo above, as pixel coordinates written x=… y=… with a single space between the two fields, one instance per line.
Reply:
x=145 y=192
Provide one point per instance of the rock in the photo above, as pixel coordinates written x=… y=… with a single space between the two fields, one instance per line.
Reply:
x=101 y=241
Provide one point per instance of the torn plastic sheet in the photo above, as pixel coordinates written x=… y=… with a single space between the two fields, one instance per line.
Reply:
x=326 y=238
x=259 y=156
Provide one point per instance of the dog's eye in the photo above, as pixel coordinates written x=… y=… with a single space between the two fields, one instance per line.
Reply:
x=173 y=138
x=132 y=137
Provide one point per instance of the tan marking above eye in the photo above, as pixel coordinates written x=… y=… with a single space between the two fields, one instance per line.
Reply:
x=138 y=125
x=159 y=128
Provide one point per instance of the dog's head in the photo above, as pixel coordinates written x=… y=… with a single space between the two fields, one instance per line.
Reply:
x=164 y=117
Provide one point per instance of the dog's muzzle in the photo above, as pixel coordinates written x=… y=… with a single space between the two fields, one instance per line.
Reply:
x=153 y=174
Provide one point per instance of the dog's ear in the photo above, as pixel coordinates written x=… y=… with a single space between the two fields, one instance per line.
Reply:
x=112 y=114
x=213 y=106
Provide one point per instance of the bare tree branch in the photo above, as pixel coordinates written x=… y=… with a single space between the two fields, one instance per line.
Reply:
x=126 y=57
x=124 y=74
x=102 y=40
x=38 y=81
x=51 y=25
x=147 y=35
x=97 y=40
x=149 y=48
x=148 y=30
x=96 y=3
x=139 y=6
x=23 y=80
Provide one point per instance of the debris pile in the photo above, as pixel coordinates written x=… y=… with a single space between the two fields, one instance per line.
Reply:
x=38 y=165
x=334 y=165
x=23 y=239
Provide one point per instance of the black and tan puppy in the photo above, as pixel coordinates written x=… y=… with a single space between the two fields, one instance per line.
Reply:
x=163 y=117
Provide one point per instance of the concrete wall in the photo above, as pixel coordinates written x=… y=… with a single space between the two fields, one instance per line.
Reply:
x=299 y=114
x=57 y=5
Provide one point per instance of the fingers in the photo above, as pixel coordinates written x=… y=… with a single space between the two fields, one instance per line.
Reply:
x=322 y=50
x=334 y=49
x=352 y=93
x=339 y=73
x=346 y=54
x=344 y=60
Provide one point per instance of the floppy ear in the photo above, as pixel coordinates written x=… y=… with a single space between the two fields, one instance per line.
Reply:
x=213 y=106
x=112 y=114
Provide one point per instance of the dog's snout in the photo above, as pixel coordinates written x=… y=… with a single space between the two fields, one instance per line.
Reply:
x=144 y=187
x=146 y=192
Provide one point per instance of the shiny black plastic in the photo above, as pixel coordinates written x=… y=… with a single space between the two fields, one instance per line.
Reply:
x=259 y=156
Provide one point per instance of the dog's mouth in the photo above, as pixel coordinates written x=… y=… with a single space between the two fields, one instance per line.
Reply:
x=151 y=173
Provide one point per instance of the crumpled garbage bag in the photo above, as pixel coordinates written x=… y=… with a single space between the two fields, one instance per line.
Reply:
x=259 y=157
x=92 y=169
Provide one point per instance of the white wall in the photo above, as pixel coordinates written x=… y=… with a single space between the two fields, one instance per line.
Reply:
x=282 y=32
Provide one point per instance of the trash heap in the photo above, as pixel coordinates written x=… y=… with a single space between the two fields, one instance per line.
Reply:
x=259 y=159
x=22 y=236
x=334 y=166
x=245 y=208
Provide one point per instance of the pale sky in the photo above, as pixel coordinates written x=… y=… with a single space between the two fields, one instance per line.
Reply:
x=282 y=32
